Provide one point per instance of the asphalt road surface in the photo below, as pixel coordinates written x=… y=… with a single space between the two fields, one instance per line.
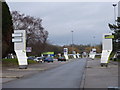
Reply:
x=65 y=76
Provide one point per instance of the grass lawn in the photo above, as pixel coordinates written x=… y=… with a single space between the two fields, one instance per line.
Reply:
x=98 y=56
x=14 y=62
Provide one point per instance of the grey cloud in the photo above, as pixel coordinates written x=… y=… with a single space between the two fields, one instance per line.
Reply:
x=86 y=19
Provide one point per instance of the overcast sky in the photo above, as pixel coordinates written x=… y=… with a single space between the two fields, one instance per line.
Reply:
x=86 y=19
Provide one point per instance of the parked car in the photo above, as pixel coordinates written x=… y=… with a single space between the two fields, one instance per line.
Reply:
x=31 y=58
x=61 y=59
x=48 y=59
x=38 y=59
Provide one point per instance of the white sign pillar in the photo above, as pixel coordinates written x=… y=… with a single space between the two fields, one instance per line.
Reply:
x=107 y=48
x=92 y=53
x=19 y=39
x=66 y=53
x=74 y=54
x=78 y=55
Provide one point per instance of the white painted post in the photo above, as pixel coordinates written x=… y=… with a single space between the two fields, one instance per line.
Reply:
x=19 y=39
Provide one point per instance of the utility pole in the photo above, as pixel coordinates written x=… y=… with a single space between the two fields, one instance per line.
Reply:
x=114 y=5
x=72 y=41
x=93 y=41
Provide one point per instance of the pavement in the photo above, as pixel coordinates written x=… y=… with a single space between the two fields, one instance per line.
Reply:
x=96 y=76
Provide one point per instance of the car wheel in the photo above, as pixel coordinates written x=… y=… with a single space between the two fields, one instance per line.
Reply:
x=101 y=65
x=106 y=65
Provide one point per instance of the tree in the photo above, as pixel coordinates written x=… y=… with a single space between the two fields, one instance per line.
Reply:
x=84 y=48
x=53 y=48
x=97 y=47
x=33 y=27
x=116 y=29
x=7 y=29
x=36 y=34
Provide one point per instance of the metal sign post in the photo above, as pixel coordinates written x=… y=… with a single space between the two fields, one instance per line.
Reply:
x=19 y=39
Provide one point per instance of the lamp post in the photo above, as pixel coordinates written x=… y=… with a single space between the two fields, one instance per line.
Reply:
x=114 y=5
x=72 y=41
x=93 y=41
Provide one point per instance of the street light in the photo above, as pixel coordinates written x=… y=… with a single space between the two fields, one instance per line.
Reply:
x=94 y=42
x=114 y=5
x=72 y=41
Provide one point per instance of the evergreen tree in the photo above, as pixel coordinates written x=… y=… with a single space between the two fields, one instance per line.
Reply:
x=7 y=29
x=116 y=29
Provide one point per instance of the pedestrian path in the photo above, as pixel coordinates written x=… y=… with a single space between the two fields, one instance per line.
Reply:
x=96 y=76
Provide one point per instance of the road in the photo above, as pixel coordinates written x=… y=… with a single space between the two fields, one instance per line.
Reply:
x=65 y=76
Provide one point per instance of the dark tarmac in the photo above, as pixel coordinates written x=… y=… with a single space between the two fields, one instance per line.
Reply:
x=65 y=76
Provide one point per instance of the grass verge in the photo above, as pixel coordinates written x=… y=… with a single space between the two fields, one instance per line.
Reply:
x=14 y=62
x=97 y=56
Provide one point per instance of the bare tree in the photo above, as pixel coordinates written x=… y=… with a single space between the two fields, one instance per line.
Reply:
x=33 y=27
x=36 y=34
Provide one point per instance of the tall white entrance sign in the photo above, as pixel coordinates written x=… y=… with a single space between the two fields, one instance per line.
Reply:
x=66 y=53
x=74 y=54
x=19 y=39
x=107 y=48
x=92 y=53
x=78 y=55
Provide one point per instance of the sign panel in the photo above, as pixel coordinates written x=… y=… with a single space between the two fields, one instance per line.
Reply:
x=29 y=49
x=48 y=53
x=109 y=36
x=17 y=35
x=17 y=40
